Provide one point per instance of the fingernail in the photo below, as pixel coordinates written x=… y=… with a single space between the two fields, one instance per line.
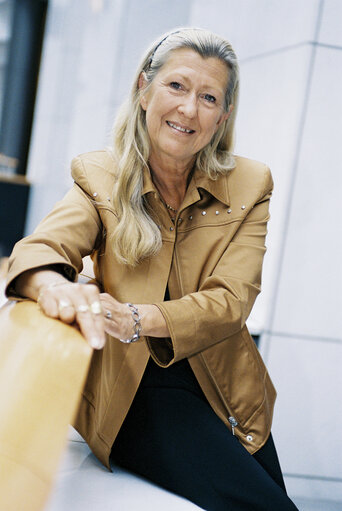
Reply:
x=95 y=343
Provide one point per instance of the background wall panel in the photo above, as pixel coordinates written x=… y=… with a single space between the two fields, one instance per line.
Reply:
x=307 y=303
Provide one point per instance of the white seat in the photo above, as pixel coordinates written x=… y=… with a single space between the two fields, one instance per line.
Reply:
x=83 y=484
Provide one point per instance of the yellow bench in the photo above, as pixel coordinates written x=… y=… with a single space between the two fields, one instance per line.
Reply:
x=43 y=366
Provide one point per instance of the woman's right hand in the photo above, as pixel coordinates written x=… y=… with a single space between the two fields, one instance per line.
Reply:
x=73 y=302
x=70 y=302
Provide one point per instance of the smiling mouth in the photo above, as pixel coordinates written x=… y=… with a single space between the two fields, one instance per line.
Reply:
x=179 y=128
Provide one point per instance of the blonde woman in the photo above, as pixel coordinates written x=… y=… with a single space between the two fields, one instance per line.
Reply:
x=175 y=224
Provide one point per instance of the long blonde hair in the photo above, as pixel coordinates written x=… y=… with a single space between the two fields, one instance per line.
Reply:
x=137 y=236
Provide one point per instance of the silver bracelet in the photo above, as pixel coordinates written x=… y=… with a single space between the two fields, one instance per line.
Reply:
x=137 y=325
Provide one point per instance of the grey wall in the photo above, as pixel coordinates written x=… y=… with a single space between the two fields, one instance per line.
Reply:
x=290 y=117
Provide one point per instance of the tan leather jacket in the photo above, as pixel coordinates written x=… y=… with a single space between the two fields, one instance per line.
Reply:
x=211 y=260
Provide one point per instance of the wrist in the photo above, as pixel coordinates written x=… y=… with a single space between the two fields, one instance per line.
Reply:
x=31 y=282
x=152 y=321
x=137 y=328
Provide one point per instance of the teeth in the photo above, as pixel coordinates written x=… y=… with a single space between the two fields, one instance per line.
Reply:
x=183 y=130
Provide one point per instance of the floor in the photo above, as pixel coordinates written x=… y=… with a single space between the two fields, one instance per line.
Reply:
x=83 y=484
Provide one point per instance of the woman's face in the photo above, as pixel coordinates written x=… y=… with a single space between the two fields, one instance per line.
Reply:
x=184 y=105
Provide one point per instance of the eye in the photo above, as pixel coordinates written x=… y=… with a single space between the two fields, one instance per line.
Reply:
x=175 y=85
x=210 y=98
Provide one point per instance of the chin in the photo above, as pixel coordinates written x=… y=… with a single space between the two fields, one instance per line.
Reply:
x=177 y=152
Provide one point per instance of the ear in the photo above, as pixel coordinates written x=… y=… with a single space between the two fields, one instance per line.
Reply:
x=224 y=116
x=142 y=83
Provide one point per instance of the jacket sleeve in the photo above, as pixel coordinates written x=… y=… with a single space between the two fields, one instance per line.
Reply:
x=63 y=238
x=223 y=302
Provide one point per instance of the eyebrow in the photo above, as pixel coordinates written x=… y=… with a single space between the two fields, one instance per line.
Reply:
x=205 y=86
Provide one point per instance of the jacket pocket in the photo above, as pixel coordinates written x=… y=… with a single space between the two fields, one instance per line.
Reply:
x=238 y=373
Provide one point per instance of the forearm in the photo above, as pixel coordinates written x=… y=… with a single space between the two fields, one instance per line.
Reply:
x=30 y=283
x=152 y=321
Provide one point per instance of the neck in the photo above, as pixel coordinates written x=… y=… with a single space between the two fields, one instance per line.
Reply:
x=171 y=180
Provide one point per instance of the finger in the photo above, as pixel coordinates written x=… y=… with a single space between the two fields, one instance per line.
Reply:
x=107 y=313
x=49 y=300
x=72 y=302
x=111 y=328
x=89 y=316
x=90 y=327
x=96 y=311
x=49 y=305
x=98 y=325
x=110 y=314
x=110 y=306
x=117 y=317
x=66 y=311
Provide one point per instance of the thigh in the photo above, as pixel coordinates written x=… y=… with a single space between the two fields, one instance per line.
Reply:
x=174 y=438
x=267 y=457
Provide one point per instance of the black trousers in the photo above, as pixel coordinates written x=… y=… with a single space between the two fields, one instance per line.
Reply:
x=172 y=436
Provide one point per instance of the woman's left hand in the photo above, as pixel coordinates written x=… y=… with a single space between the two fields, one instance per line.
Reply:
x=119 y=322
x=118 y=317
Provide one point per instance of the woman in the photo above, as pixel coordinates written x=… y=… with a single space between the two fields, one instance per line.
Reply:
x=175 y=224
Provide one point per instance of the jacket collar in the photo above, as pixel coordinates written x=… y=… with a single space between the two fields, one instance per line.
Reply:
x=217 y=188
x=148 y=185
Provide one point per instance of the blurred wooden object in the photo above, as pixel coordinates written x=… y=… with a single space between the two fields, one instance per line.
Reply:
x=3 y=267
x=43 y=366
x=3 y=273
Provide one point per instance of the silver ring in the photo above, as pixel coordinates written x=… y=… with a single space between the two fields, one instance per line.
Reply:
x=63 y=304
x=96 y=308
x=82 y=308
x=108 y=315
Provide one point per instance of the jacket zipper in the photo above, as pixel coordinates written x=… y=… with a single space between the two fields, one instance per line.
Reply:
x=233 y=422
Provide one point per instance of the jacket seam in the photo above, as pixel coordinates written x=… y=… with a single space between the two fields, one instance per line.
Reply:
x=264 y=191
x=171 y=330
x=97 y=429
x=98 y=221
x=187 y=229
x=99 y=206
x=114 y=387
x=213 y=379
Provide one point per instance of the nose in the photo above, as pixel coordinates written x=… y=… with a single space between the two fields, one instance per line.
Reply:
x=188 y=106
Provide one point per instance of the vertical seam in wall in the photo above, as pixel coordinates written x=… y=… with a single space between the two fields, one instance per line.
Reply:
x=125 y=7
x=294 y=173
